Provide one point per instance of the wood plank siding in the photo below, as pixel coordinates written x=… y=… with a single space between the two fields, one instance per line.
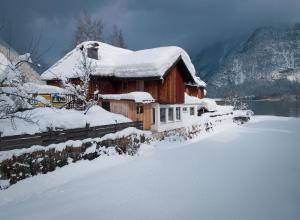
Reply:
x=128 y=108
x=54 y=83
x=169 y=90
x=195 y=91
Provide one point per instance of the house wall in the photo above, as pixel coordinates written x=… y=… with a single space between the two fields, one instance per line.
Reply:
x=170 y=90
x=104 y=86
x=195 y=91
x=128 y=108
x=54 y=83
x=185 y=116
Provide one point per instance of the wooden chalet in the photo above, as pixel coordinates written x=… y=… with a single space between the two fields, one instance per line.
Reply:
x=148 y=85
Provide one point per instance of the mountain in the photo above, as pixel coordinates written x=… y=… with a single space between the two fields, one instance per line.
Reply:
x=266 y=64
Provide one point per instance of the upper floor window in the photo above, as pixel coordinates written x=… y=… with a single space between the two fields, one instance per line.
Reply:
x=124 y=86
x=139 y=109
x=140 y=85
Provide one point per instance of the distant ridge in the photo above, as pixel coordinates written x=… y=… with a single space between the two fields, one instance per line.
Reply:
x=266 y=64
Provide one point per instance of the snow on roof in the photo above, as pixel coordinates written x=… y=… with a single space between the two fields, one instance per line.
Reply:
x=60 y=118
x=33 y=88
x=122 y=63
x=200 y=82
x=39 y=89
x=138 y=97
x=207 y=103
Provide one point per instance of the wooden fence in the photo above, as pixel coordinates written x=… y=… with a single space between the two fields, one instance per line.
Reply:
x=53 y=137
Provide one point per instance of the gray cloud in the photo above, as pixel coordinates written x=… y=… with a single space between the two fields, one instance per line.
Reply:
x=191 y=24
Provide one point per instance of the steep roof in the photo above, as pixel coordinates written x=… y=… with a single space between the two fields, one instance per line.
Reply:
x=121 y=63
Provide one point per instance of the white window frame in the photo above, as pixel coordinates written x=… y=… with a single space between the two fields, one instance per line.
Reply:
x=160 y=111
x=172 y=110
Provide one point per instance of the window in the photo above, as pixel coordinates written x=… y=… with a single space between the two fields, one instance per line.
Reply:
x=178 y=113
x=124 y=86
x=140 y=85
x=192 y=110
x=106 y=105
x=153 y=115
x=170 y=114
x=162 y=114
x=184 y=110
x=139 y=109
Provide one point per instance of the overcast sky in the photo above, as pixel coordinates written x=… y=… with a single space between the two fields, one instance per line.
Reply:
x=191 y=24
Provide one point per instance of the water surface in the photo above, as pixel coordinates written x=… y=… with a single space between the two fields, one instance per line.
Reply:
x=276 y=107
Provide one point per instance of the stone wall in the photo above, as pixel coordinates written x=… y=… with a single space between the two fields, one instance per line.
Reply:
x=30 y=164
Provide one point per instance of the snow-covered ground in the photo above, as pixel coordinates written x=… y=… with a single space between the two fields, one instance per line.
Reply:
x=236 y=172
x=59 y=118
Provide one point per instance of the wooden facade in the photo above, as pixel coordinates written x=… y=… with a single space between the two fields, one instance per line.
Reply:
x=169 y=90
x=195 y=91
x=54 y=83
x=130 y=109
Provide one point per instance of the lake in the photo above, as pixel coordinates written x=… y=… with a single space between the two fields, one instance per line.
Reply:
x=276 y=107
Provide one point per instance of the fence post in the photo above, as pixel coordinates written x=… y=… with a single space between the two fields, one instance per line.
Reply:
x=116 y=125
x=87 y=126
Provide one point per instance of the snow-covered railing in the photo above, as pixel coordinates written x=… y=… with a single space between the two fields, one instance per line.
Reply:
x=57 y=136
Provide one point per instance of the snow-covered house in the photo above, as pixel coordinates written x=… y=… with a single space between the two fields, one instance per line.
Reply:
x=149 y=85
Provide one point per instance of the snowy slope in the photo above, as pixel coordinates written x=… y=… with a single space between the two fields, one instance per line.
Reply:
x=58 y=118
x=248 y=172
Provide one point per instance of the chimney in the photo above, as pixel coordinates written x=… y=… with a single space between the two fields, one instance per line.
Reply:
x=92 y=51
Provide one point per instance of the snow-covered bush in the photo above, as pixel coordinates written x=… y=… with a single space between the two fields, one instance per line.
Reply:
x=236 y=102
x=13 y=96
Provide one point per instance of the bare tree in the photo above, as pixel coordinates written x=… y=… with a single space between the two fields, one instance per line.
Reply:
x=15 y=72
x=116 y=38
x=79 y=85
x=88 y=29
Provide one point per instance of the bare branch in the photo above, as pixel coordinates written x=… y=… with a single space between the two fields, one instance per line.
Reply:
x=88 y=29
